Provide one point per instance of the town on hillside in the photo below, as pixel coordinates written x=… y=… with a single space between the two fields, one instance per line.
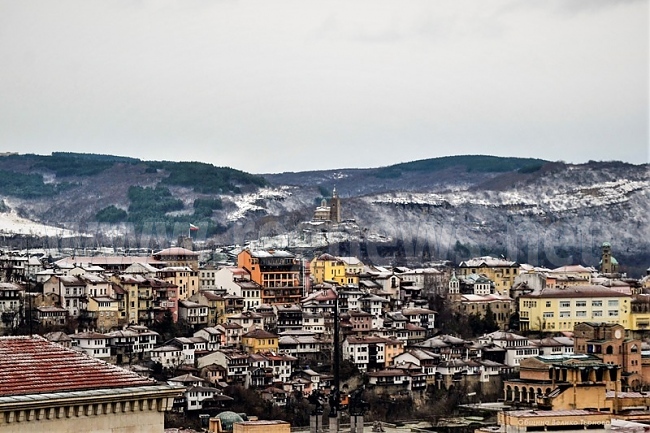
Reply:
x=280 y=336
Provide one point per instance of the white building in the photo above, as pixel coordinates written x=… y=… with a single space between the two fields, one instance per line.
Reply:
x=92 y=343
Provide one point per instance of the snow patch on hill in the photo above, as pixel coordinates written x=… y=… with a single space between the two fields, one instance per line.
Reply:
x=255 y=202
x=525 y=201
x=12 y=224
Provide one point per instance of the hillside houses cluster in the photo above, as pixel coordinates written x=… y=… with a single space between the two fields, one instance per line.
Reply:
x=268 y=322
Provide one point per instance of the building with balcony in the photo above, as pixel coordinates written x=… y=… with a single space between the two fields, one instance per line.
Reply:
x=277 y=271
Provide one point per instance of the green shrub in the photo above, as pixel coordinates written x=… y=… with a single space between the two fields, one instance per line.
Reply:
x=206 y=178
x=111 y=214
x=28 y=185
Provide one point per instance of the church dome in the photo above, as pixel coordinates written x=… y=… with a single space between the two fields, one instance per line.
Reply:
x=228 y=418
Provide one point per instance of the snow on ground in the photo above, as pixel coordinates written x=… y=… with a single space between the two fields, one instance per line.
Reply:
x=249 y=202
x=11 y=223
x=596 y=195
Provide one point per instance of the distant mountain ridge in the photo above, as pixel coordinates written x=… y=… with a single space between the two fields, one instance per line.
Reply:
x=456 y=206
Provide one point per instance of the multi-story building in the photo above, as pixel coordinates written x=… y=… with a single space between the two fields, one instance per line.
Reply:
x=49 y=388
x=560 y=309
x=421 y=317
x=236 y=282
x=353 y=268
x=234 y=361
x=563 y=382
x=569 y=275
x=502 y=307
x=251 y=293
x=92 y=343
x=304 y=345
x=277 y=271
x=366 y=352
x=360 y=322
x=215 y=303
x=516 y=347
x=281 y=365
x=48 y=315
x=289 y=317
x=178 y=257
x=213 y=337
x=232 y=333
x=207 y=277
x=132 y=343
x=259 y=340
x=248 y=320
x=609 y=343
x=327 y=268
x=431 y=281
x=11 y=308
x=501 y=271
x=104 y=312
x=170 y=356
x=72 y=292
x=186 y=278
x=165 y=297
x=194 y=313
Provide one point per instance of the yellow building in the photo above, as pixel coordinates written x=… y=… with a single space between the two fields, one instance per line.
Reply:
x=259 y=340
x=328 y=268
x=104 y=312
x=186 y=278
x=339 y=270
x=353 y=268
x=560 y=309
x=216 y=306
x=503 y=272
x=523 y=421
x=261 y=426
x=392 y=348
x=130 y=303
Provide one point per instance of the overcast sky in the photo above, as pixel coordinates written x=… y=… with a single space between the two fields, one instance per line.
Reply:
x=270 y=86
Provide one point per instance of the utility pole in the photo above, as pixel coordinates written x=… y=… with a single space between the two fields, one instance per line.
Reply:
x=335 y=397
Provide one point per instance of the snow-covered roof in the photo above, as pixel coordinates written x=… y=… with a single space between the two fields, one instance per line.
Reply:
x=271 y=253
x=487 y=261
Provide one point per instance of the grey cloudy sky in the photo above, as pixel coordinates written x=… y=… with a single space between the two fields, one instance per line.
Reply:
x=269 y=86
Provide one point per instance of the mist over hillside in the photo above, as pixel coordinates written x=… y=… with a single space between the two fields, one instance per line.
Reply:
x=452 y=208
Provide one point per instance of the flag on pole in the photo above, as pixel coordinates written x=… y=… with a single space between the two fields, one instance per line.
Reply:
x=193 y=228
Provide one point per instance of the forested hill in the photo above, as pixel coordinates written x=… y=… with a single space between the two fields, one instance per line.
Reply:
x=71 y=187
x=421 y=175
x=457 y=206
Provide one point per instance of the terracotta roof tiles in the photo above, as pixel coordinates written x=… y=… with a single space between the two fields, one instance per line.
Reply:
x=33 y=365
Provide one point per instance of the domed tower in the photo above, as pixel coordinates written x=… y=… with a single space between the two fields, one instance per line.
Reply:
x=335 y=208
x=608 y=264
x=454 y=287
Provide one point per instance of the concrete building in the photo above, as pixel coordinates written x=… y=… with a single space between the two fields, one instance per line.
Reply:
x=277 y=271
x=80 y=394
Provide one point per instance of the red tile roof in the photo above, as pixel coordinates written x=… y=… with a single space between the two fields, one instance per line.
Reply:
x=33 y=365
